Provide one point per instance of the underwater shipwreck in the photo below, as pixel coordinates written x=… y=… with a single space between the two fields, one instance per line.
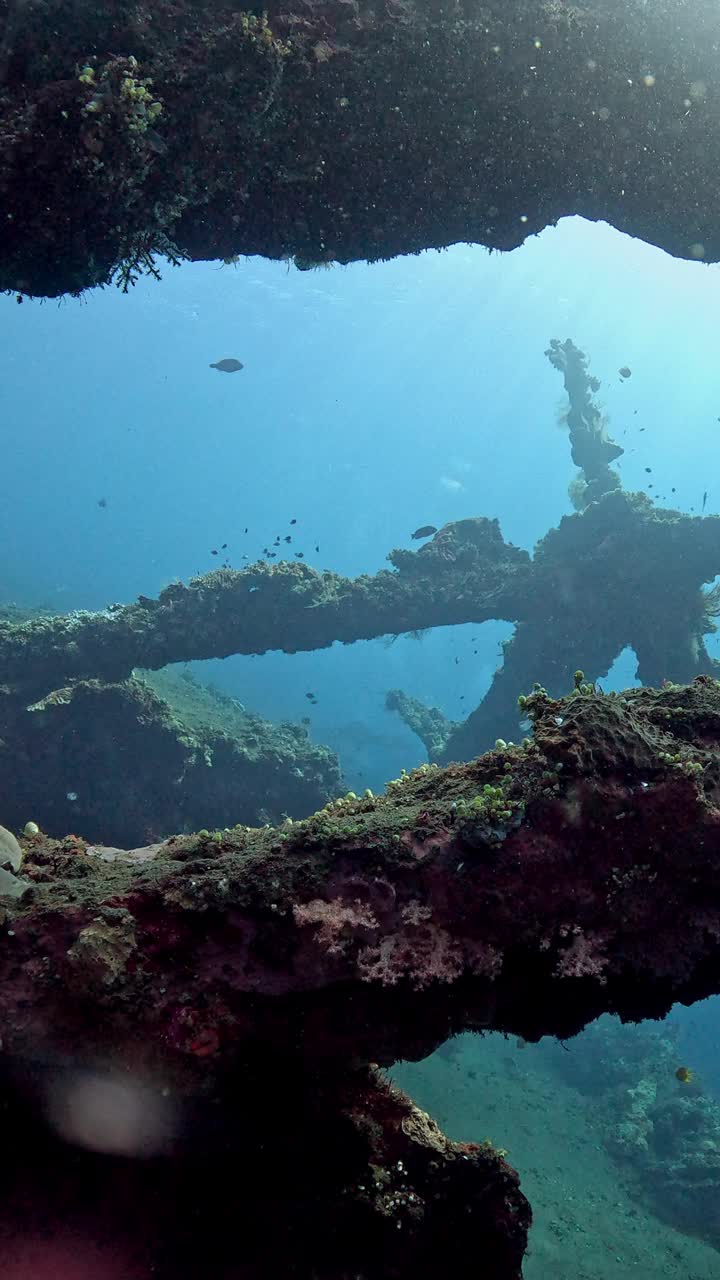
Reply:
x=247 y=970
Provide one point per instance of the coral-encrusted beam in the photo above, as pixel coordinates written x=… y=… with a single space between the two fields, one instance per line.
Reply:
x=466 y=573
x=526 y=891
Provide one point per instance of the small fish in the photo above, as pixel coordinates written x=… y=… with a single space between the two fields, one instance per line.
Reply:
x=625 y=372
x=684 y=1075
x=704 y=500
x=425 y=531
x=293 y=521
x=213 y=553
x=311 y=697
x=287 y=538
x=227 y=366
x=71 y=795
x=102 y=502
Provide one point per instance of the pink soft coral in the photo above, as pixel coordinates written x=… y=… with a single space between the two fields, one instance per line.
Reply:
x=585 y=956
x=422 y=952
x=337 y=921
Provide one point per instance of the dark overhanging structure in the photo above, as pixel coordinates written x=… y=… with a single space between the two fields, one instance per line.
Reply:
x=341 y=130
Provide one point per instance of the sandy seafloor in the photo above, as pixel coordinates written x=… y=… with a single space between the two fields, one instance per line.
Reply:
x=589 y=1223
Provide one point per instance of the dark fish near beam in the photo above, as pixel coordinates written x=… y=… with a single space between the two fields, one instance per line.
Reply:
x=227 y=366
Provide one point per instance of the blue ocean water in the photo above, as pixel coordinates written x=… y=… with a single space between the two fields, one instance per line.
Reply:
x=373 y=399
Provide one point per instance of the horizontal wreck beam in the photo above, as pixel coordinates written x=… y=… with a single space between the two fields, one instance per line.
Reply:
x=527 y=892
x=468 y=573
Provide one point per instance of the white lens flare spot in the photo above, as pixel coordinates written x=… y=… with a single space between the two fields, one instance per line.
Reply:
x=115 y=1116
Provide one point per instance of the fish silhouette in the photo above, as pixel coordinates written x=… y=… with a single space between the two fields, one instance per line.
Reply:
x=227 y=366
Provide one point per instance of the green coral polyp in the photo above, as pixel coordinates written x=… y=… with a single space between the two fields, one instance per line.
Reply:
x=491 y=804
x=485 y=815
x=143 y=109
x=119 y=84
